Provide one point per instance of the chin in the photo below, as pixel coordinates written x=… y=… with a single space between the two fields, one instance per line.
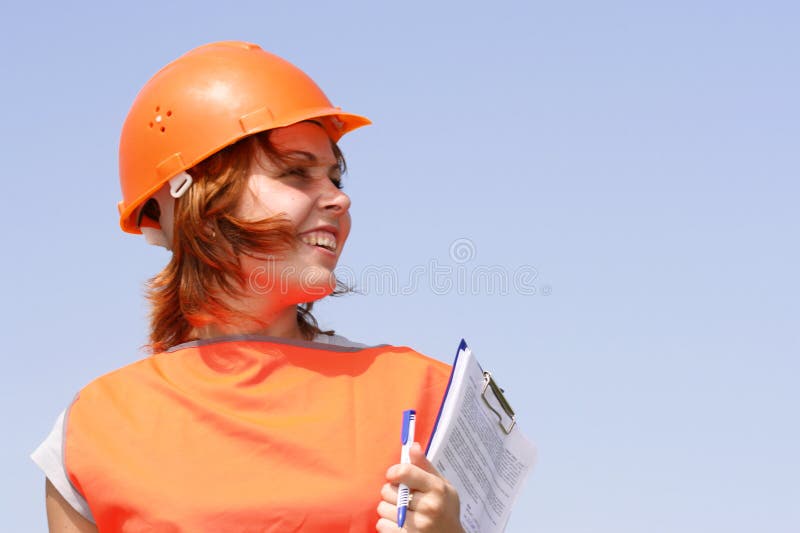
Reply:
x=316 y=283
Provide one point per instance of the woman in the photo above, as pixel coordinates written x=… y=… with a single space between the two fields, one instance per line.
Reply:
x=246 y=417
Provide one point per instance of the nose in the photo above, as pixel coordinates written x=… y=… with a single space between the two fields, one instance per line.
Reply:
x=335 y=199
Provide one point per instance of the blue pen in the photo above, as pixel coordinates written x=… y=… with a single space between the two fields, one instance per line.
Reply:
x=407 y=438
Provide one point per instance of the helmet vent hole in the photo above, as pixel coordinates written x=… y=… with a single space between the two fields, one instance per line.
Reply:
x=158 y=121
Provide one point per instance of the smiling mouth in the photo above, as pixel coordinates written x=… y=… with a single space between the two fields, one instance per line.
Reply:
x=321 y=239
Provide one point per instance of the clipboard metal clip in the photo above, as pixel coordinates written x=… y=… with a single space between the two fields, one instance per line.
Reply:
x=490 y=383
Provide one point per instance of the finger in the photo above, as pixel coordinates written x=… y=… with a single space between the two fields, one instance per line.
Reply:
x=388 y=511
x=387 y=526
x=418 y=458
x=417 y=475
x=389 y=493
x=414 y=477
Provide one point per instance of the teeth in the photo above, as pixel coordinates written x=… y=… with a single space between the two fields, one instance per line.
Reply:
x=320 y=238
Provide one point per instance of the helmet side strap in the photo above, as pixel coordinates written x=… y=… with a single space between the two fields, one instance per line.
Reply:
x=166 y=196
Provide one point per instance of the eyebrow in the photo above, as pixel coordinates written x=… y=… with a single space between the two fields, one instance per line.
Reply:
x=310 y=157
x=303 y=154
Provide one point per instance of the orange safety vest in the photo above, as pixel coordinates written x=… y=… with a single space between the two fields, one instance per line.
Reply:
x=248 y=434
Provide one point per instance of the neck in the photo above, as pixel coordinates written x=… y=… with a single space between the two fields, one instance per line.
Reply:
x=282 y=324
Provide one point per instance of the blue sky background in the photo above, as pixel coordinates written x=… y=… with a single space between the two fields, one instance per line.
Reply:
x=641 y=158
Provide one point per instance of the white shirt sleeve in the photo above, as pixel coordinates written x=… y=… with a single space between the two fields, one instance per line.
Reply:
x=49 y=456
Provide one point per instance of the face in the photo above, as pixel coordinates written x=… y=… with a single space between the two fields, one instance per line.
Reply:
x=309 y=195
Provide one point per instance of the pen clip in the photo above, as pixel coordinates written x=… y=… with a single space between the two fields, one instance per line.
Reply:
x=490 y=383
x=408 y=416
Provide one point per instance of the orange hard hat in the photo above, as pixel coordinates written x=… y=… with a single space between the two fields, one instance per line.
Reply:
x=206 y=100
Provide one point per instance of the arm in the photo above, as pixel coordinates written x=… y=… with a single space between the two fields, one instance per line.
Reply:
x=61 y=517
x=435 y=505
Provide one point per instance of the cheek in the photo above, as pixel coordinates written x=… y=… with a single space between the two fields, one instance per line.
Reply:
x=265 y=198
x=296 y=206
x=287 y=201
x=254 y=203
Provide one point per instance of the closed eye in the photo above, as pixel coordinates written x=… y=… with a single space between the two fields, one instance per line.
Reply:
x=295 y=171
x=334 y=174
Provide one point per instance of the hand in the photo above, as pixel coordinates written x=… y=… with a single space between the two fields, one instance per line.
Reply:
x=434 y=505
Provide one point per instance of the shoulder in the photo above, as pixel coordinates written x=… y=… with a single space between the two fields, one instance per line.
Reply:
x=338 y=340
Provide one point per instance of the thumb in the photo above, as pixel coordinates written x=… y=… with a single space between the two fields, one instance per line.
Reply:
x=419 y=459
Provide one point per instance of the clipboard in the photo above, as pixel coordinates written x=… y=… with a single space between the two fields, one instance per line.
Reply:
x=478 y=446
